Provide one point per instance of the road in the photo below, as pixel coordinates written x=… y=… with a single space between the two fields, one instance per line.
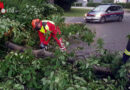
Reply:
x=113 y=33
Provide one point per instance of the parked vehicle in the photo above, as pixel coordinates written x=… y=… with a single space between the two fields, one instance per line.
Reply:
x=105 y=12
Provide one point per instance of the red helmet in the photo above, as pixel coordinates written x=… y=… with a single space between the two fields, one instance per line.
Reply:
x=34 y=21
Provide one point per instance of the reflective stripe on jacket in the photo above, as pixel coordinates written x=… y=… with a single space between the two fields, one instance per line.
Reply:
x=127 y=52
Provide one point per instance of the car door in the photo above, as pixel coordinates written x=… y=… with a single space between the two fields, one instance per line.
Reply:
x=119 y=12
x=108 y=14
x=115 y=13
x=111 y=15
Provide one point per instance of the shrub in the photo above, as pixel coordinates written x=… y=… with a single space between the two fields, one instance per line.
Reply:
x=7 y=25
x=24 y=11
x=79 y=31
x=93 y=4
x=107 y=1
x=24 y=71
x=77 y=4
x=124 y=5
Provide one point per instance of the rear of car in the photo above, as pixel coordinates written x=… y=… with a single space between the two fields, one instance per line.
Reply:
x=104 y=13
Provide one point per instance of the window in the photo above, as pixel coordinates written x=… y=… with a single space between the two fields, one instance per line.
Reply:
x=112 y=8
x=100 y=8
x=119 y=8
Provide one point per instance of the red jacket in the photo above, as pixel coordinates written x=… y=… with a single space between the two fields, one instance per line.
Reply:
x=52 y=28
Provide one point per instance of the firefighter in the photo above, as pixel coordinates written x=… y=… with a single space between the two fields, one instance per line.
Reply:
x=2 y=10
x=126 y=54
x=44 y=28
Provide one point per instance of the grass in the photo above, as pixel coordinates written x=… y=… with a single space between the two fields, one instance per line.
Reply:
x=76 y=12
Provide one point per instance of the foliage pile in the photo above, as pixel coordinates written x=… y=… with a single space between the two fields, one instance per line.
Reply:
x=24 y=71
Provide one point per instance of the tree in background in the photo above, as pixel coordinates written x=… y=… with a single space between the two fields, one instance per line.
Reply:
x=108 y=1
x=65 y=4
x=90 y=1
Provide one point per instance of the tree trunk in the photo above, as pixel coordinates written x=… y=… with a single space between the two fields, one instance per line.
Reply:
x=40 y=53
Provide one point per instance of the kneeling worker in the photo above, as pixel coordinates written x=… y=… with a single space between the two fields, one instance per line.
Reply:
x=45 y=28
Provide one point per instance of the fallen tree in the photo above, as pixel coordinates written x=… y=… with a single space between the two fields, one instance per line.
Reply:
x=40 y=53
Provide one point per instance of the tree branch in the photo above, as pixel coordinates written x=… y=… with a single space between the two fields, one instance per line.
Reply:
x=40 y=53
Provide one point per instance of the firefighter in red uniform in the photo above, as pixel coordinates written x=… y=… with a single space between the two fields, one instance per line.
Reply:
x=2 y=10
x=47 y=27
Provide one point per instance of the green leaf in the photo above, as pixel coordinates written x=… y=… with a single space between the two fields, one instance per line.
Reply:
x=70 y=88
x=18 y=87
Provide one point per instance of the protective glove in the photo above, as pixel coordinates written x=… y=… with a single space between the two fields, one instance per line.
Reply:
x=42 y=46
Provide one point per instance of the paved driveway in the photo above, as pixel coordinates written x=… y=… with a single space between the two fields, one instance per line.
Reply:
x=113 y=33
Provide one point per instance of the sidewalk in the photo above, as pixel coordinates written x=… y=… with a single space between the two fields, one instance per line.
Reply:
x=90 y=8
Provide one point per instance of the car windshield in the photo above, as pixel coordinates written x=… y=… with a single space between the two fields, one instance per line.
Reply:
x=101 y=8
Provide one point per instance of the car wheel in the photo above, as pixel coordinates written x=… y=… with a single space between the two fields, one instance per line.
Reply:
x=120 y=18
x=102 y=20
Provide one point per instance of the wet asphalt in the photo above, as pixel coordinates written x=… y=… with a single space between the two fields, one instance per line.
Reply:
x=113 y=33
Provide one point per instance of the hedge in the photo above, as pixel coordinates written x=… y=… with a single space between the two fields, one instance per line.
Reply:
x=77 y=4
x=93 y=4
x=124 y=5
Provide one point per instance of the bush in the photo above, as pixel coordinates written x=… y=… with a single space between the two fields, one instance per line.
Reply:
x=24 y=71
x=21 y=71
x=24 y=11
x=108 y=1
x=93 y=4
x=124 y=5
x=7 y=25
x=77 y=4
x=79 y=31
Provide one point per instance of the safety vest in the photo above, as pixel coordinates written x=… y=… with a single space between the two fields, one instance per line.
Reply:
x=127 y=52
x=45 y=26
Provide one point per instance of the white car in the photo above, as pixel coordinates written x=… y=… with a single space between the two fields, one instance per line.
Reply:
x=106 y=12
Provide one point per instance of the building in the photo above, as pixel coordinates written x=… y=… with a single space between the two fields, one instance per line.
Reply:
x=121 y=1
x=84 y=2
x=81 y=2
x=97 y=1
